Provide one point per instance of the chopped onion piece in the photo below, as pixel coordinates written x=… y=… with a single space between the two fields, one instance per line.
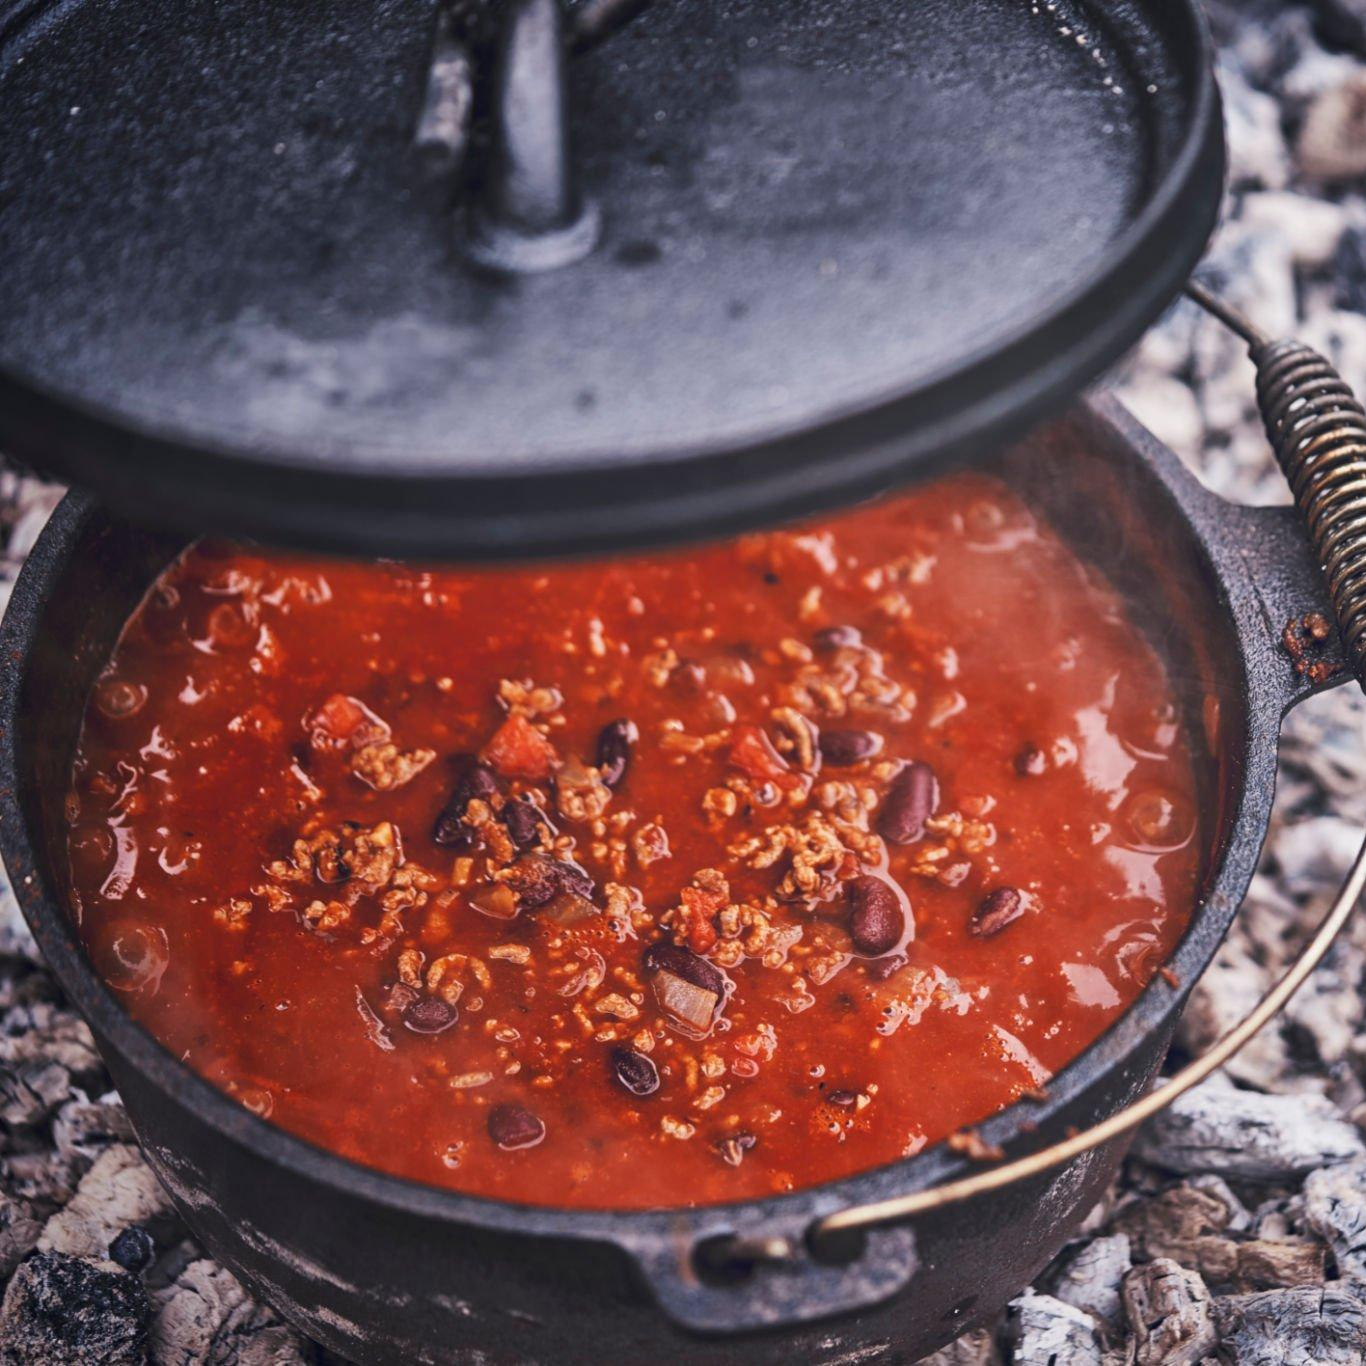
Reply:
x=692 y=1005
x=497 y=900
x=568 y=908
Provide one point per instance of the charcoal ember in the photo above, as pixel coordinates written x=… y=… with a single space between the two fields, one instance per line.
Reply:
x=1335 y=1209
x=20 y=1228
x=1327 y=1010
x=1169 y=1313
x=117 y=1191
x=1043 y=1331
x=60 y=1309
x=206 y=1315
x=1242 y=1134
x=1091 y=1278
x=134 y=1249
x=82 y=1129
x=1270 y=1264
x=42 y=1049
x=1301 y=1327
x=1186 y=1225
x=43 y=1179
x=1332 y=142
x=977 y=1348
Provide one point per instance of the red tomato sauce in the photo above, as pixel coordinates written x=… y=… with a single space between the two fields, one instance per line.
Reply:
x=671 y=879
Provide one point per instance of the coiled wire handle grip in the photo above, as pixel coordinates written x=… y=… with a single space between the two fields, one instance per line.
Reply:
x=1318 y=430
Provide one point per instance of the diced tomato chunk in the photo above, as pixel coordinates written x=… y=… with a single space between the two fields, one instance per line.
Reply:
x=341 y=718
x=699 y=908
x=752 y=752
x=519 y=750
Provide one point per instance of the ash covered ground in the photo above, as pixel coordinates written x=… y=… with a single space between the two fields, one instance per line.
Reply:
x=1237 y=1230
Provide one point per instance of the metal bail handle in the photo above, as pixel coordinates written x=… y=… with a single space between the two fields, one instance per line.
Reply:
x=1318 y=430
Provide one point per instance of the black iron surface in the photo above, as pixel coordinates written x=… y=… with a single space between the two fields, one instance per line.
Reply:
x=839 y=237
x=386 y=1271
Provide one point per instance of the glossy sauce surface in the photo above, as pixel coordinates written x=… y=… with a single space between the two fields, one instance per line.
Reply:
x=672 y=879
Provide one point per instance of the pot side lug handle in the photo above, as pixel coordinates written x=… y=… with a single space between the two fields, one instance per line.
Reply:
x=1303 y=652
x=769 y=1275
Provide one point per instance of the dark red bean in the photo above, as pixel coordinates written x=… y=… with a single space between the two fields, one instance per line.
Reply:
x=1030 y=762
x=575 y=879
x=880 y=969
x=663 y=956
x=837 y=637
x=474 y=779
x=536 y=879
x=429 y=1015
x=846 y=1100
x=635 y=1071
x=997 y=911
x=876 y=920
x=910 y=802
x=614 y=749
x=512 y=1127
x=734 y=1148
x=841 y=748
x=523 y=819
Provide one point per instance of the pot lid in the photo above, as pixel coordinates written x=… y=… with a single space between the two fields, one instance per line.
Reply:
x=493 y=279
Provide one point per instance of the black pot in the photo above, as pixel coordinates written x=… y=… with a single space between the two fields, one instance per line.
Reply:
x=384 y=1270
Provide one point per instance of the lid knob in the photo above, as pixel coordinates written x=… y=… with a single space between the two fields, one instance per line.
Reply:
x=530 y=214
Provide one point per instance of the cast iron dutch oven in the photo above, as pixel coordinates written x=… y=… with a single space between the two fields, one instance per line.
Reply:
x=810 y=248
x=383 y=1270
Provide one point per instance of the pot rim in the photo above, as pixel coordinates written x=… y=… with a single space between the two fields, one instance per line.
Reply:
x=1203 y=514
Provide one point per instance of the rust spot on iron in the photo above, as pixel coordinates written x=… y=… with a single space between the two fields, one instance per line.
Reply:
x=1309 y=641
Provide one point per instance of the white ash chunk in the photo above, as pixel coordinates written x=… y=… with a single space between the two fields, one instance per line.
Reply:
x=20 y=1229
x=1304 y=1327
x=42 y=1048
x=1313 y=855
x=1169 y=1313
x=1092 y=1277
x=1229 y=990
x=1257 y=151
x=1242 y=1134
x=977 y=1348
x=1335 y=1209
x=1311 y=227
x=118 y=1191
x=207 y=1316
x=1328 y=1008
x=82 y=1129
x=1044 y=1331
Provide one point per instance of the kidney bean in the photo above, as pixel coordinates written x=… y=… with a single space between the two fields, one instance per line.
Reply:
x=575 y=879
x=429 y=1015
x=523 y=819
x=876 y=920
x=837 y=637
x=846 y=1100
x=663 y=956
x=537 y=880
x=880 y=969
x=841 y=748
x=475 y=779
x=910 y=802
x=635 y=1071
x=512 y=1127
x=614 y=749
x=1030 y=762
x=997 y=911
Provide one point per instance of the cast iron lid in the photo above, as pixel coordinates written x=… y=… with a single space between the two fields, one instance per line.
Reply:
x=489 y=279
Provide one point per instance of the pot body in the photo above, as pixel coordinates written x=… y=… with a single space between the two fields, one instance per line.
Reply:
x=382 y=1270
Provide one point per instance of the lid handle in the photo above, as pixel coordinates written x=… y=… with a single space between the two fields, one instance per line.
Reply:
x=530 y=214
